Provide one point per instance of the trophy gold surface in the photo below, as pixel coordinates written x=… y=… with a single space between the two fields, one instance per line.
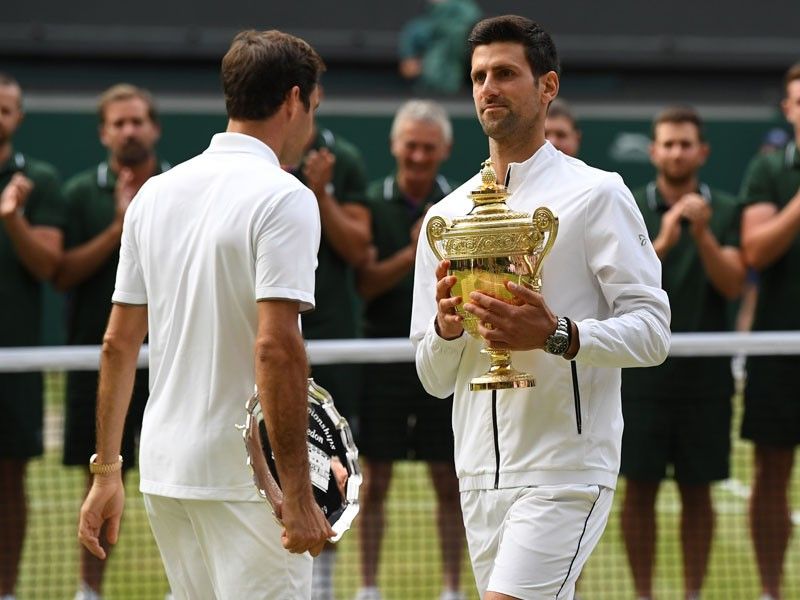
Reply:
x=486 y=248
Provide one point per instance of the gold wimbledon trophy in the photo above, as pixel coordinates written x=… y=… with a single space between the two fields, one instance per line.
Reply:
x=486 y=248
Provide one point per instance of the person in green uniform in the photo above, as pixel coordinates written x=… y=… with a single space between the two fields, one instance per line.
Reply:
x=96 y=203
x=333 y=169
x=677 y=415
x=771 y=245
x=399 y=420
x=32 y=215
x=561 y=128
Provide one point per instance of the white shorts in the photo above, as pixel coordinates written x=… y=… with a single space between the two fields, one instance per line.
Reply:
x=531 y=543
x=215 y=550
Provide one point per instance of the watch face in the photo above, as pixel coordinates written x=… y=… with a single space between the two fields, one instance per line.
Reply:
x=556 y=343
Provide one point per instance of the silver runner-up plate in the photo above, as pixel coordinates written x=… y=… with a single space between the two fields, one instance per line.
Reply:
x=332 y=456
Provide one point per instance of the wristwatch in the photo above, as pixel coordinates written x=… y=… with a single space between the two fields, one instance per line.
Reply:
x=558 y=342
x=103 y=468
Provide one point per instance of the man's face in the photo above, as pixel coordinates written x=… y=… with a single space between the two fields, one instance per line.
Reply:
x=791 y=104
x=10 y=112
x=507 y=99
x=301 y=127
x=128 y=132
x=677 y=152
x=561 y=132
x=419 y=148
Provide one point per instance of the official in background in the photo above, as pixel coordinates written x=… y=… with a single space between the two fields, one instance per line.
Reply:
x=561 y=128
x=771 y=245
x=97 y=201
x=334 y=171
x=399 y=420
x=678 y=415
x=31 y=239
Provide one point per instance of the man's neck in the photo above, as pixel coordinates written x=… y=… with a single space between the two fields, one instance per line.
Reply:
x=503 y=152
x=269 y=132
x=5 y=152
x=672 y=191
x=141 y=172
x=415 y=190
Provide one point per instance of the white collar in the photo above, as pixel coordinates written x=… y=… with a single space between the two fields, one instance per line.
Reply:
x=240 y=142
x=517 y=172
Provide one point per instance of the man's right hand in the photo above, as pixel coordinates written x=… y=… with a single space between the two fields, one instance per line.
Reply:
x=124 y=191
x=14 y=195
x=670 y=231
x=448 y=322
x=305 y=528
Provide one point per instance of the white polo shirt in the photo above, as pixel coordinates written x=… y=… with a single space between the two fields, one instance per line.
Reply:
x=201 y=244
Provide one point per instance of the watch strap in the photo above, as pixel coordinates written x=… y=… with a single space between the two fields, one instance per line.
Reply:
x=103 y=468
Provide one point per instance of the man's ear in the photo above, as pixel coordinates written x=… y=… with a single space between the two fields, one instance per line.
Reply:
x=101 y=134
x=705 y=150
x=293 y=102
x=447 y=151
x=549 y=84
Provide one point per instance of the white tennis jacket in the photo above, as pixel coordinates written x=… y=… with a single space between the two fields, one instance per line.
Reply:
x=602 y=273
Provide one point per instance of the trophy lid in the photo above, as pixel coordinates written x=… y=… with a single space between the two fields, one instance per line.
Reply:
x=490 y=191
x=489 y=202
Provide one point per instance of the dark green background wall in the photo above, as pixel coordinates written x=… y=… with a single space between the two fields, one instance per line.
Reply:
x=69 y=141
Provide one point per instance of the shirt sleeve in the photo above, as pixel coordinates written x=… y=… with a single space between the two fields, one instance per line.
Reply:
x=437 y=359
x=731 y=237
x=130 y=287
x=46 y=206
x=286 y=237
x=74 y=234
x=354 y=181
x=628 y=273
x=757 y=185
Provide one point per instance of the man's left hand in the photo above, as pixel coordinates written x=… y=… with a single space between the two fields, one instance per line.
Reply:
x=523 y=326
x=697 y=211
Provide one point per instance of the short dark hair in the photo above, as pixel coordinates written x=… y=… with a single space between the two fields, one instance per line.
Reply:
x=7 y=80
x=680 y=114
x=559 y=109
x=540 y=50
x=126 y=91
x=793 y=74
x=261 y=68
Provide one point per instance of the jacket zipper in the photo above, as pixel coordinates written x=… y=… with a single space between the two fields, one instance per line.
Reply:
x=496 y=441
x=576 y=393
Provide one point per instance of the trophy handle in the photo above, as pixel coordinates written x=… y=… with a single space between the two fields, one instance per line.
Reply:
x=545 y=225
x=435 y=231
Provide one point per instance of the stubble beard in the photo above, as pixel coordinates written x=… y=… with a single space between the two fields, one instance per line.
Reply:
x=678 y=179
x=500 y=129
x=133 y=154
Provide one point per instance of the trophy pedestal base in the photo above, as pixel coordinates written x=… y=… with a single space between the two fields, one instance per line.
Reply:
x=501 y=379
